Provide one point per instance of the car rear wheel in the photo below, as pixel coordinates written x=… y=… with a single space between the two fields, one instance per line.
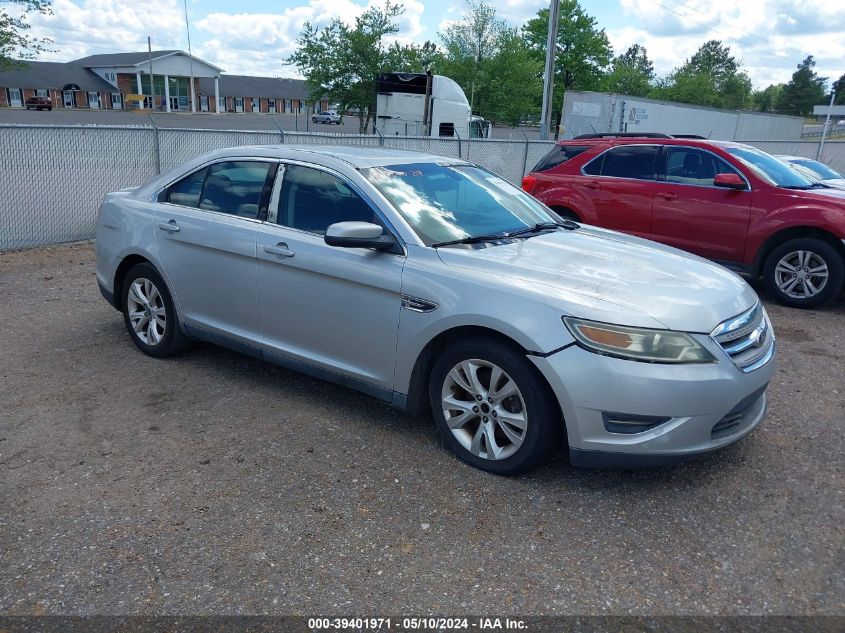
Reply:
x=804 y=272
x=493 y=408
x=149 y=314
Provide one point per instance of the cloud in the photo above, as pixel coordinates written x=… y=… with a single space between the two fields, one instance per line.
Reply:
x=260 y=42
x=89 y=27
x=770 y=36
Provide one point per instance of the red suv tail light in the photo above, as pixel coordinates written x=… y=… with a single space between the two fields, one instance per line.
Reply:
x=528 y=183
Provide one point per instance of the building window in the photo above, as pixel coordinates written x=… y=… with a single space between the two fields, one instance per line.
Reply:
x=41 y=92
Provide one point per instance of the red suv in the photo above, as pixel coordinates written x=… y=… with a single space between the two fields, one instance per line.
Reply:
x=725 y=201
x=39 y=103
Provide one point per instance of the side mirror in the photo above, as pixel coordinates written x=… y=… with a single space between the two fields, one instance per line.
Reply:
x=358 y=235
x=729 y=181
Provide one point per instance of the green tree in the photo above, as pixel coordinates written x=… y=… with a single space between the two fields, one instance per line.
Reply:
x=631 y=73
x=468 y=46
x=582 y=51
x=711 y=77
x=803 y=91
x=342 y=62
x=515 y=78
x=839 y=88
x=15 y=43
x=410 y=58
x=766 y=100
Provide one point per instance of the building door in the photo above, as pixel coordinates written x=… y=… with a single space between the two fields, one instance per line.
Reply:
x=67 y=98
x=255 y=105
x=116 y=101
x=239 y=104
x=288 y=106
x=174 y=103
x=15 y=99
x=271 y=106
x=94 y=100
x=203 y=104
x=221 y=104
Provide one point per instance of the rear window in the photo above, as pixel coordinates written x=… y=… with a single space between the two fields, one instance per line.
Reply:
x=559 y=155
x=626 y=161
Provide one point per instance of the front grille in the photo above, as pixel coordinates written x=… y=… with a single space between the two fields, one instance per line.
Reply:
x=747 y=338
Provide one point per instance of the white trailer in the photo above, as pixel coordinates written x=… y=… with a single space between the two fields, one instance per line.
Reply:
x=422 y=104
x=598 y=112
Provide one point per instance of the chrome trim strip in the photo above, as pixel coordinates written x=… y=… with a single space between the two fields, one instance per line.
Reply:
x=766 y=358
x=737 y=322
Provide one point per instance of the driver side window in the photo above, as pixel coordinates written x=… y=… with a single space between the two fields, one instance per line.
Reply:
x=690 y=166
x=311 y=200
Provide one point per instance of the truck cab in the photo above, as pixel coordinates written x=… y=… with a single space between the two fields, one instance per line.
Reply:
x=422 y=104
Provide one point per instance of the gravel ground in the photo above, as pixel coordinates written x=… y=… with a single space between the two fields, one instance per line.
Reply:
x=217 y=484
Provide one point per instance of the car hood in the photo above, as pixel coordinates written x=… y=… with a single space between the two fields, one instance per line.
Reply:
x=838 y=183
x=607 y=276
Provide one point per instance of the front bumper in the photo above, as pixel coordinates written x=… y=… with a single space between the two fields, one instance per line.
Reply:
x=698 y=408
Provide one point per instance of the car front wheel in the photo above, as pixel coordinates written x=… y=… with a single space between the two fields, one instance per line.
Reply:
x=149 y=313
x=493 y=408
x=804 y=272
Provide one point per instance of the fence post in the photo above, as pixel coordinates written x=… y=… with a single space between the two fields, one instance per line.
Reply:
x=281 y=131
x=156 y=146
x=525 y=154
x=460 y=154
x=380 y=136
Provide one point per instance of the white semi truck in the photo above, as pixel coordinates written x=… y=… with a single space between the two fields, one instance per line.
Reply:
x=422 y=104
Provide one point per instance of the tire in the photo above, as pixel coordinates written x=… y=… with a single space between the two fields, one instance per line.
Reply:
x=165 y=337
x=50 y=109
x=805 y=254
x=567 y=214
x=532 y=406
x=313 y=119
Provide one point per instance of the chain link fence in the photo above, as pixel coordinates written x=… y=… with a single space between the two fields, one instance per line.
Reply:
x=53 y=178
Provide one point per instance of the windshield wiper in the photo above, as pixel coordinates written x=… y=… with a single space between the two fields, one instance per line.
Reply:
x=491 y=237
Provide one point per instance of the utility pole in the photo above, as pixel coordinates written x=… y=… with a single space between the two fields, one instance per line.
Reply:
x=549 y=74
x=152 y=83
x=826 y=124
x=190 y=59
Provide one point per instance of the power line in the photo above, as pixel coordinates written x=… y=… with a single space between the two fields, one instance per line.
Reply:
x=734 y=39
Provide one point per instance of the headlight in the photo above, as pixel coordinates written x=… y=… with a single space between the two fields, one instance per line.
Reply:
x=653 y=346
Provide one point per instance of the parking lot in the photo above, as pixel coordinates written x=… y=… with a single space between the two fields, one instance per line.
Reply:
x=218 y=484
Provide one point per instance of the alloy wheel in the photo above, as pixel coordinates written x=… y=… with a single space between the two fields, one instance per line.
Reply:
x=484 y=409
x=801 y=274
x=147 y=314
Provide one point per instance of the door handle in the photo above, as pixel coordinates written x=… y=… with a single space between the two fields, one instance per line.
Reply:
x=593 y=184
x=279 y=250
x=668 y=195
x=170 y=227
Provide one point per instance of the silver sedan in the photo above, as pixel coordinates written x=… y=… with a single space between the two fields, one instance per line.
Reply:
x=434 y=285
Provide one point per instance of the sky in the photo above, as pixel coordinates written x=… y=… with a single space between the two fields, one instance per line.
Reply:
x=255 y=36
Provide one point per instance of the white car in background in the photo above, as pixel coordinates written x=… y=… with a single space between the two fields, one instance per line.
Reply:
x=816 y=171
x=326 y=116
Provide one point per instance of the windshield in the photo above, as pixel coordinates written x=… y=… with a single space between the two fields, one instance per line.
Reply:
x=770 y=168
x=451 y=202
x=820 y=170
